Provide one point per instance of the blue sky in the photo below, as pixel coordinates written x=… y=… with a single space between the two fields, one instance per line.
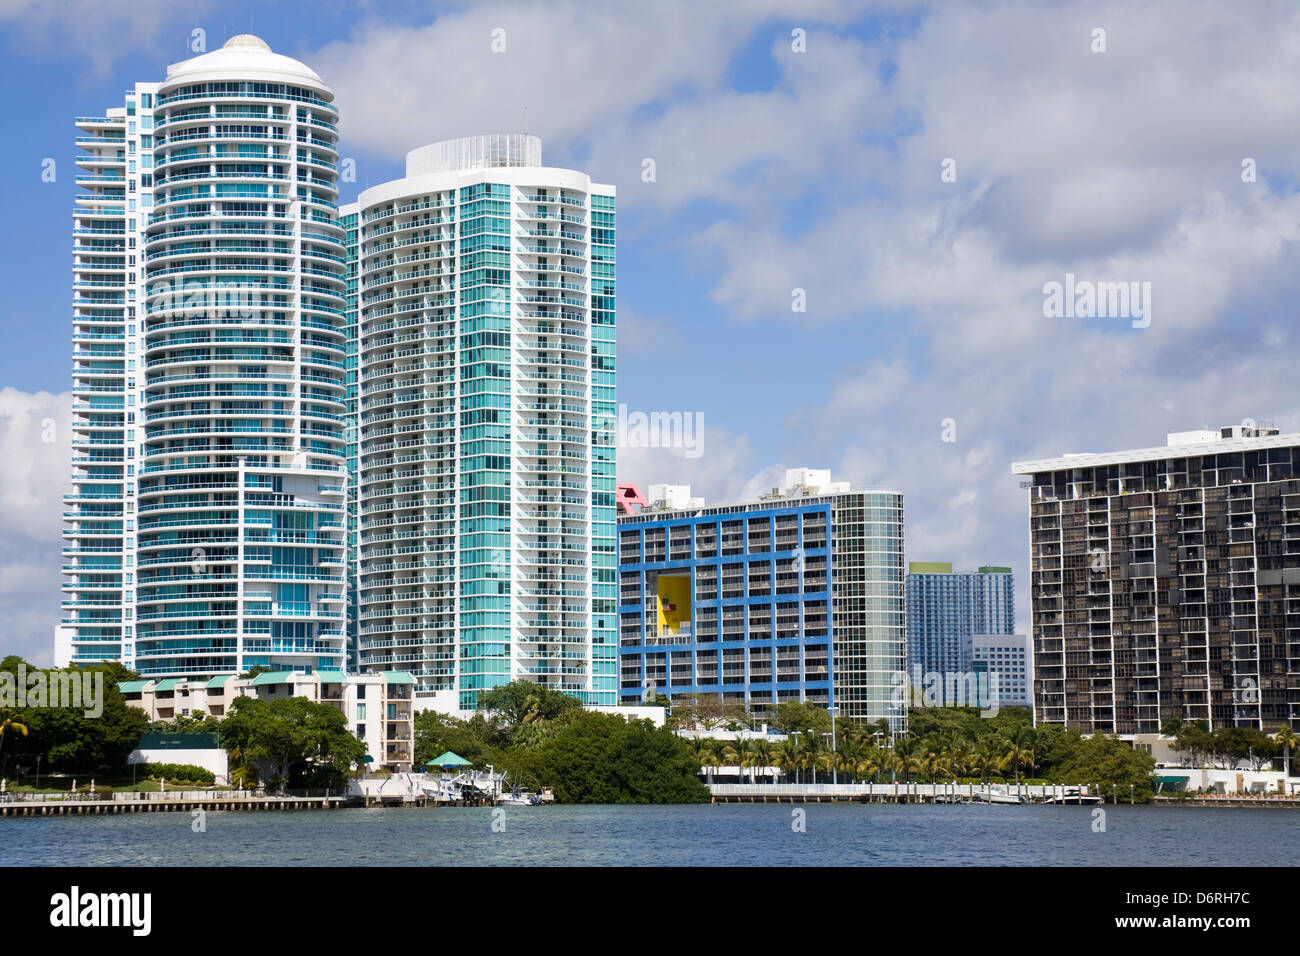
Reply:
x=778 y=170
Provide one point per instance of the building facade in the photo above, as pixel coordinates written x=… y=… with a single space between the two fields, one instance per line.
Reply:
x=1166 y=583
x=795 y=597
x=379 y=707
x=486 y=477
x=349 y=219
x=946 y=609
x=1004 y=663
x=206 y=523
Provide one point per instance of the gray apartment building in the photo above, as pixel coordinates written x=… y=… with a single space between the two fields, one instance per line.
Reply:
x=1165 y=582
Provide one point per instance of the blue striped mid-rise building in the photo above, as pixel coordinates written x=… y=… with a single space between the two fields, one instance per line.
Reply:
x=206 y=522
x=946 y=609
x=795 y=597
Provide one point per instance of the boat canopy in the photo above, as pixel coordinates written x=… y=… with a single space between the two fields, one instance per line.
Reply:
x=449 y=759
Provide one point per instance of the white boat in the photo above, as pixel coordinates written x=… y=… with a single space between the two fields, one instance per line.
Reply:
x=520 y=798
x=480 y=784
x=442 y=791
x=997 y=795
x=1073 y=796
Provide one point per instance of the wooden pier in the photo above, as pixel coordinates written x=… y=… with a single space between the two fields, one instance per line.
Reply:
x=896 y=793
x=180 y=804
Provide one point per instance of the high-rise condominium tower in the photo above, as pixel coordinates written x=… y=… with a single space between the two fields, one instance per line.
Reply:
x=1166 y=583
x=946 y=609
x=795 y=597
x=206 y=523
x=486 y=461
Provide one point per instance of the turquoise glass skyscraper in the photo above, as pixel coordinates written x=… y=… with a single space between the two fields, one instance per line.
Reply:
x=487 y=448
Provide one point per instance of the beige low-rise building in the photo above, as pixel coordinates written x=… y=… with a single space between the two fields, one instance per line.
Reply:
x=378 y=706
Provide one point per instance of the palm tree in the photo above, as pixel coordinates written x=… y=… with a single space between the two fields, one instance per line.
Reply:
x=531 y=709
x=961 y=757
x=933 y=766
x=1020 y=747
x=850 y=755
x=904 y=756
x=871 y=762
x=789 y=756
x=989 y=759
x=698 y=747
x=829 y=760
x=11 y=722
x=1287 y=740
x=739 y=749
x=762 y=753
x=812 y=747
x=710 y=758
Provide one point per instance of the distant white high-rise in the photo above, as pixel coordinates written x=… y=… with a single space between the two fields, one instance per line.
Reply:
x=486 y=423
x=205 y=527
x=1007 y=661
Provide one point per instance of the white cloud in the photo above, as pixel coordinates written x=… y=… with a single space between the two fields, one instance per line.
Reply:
x=100 y=33
x=570 y=72
x=718 y=473
x=34 y=474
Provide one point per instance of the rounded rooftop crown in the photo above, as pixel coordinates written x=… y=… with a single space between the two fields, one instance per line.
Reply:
x=244 y=56
x=489 y=151
x=246 y=41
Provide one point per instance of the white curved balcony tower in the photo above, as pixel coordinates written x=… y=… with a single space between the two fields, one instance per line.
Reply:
x=490 y=151
x=233 y=528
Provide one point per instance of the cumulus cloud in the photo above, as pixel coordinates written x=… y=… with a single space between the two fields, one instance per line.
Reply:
x=34 y=455
x=718 y=469
x=564 y=71
x=824 y=174
x=1123 y=166
x=99 y=33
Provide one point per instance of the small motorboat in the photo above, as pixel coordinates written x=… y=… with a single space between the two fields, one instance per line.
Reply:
x=1073 y=796
x=997 y=795
x=520 y=798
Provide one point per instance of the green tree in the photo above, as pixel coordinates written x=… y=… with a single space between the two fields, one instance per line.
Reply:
x=961 y=757
x=795 y=717
x=789 y=758
x=1285 y=739
x=989 y=759
x=478 y=739
x=602 y=758
x=811 y=746
x=874 y=763
x=738 y=752
x=1235 y=744
x=292 y=740
x=1195 y=740
x=71 y=742
x=522 y=701
x=195 y=723
x=1106 y=760
x=711 y=756
x=736 y=715
x=11 y=725
x=763 y=754
x=1020 y=748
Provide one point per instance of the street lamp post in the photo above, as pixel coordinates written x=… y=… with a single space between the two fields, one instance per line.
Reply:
x=835 y=770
